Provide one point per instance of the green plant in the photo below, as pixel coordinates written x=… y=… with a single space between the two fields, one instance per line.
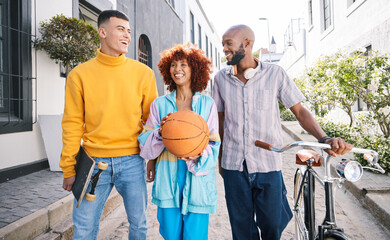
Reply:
x=360 y=137
x=340 y=79
x=287 y=115
x=68 y=40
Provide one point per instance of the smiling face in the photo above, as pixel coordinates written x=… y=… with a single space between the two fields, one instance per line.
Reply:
x=181 y=72
x=233 y=47
x=115 y=36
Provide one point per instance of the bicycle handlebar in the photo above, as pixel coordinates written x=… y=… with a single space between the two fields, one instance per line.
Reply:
x=370 y=155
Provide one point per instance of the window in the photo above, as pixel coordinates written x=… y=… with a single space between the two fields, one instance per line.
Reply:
x=352 y=5
x=199 y=36
x=172 y=2
x=310 y=12
x=88 y=15
x=211 y=52
x=15 y=66
x=145 y=50
x=192 y=26
x=216 y=58
x=207 y=46
x=219 y=61
x=361 y=105
x=327 y=14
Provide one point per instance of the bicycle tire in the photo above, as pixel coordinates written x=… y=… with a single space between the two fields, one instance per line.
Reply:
x=301 y=232
x=334 y=235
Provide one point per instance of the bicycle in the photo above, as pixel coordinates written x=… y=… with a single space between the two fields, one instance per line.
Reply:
x=304 y=190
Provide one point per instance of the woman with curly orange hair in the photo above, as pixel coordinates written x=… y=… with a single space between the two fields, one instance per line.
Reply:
x=184 y=189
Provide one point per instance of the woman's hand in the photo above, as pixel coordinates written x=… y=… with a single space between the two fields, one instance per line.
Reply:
x=163 y=122
x=190 y=158
x=150 y=170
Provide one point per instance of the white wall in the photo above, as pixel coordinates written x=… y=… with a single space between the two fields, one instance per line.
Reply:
x=26 y=147
x=184 y=8
x=355 y=26
x=361 y=24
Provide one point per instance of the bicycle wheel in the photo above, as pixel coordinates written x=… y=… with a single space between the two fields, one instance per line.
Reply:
x=334 y=235
x=304 y=205
x=301 y=232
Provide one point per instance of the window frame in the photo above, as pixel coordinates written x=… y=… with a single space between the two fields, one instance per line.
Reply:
x=207 y=46
x=192 y=27
x=17 y=111
x=326 y=30
x=310 y=14
x=199 y=36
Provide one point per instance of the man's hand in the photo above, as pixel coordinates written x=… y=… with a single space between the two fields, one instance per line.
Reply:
x=150 y=170
x=68 y=183
x=339 y=147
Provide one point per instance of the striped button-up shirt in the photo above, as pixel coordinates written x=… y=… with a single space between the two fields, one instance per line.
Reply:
x=252 y=113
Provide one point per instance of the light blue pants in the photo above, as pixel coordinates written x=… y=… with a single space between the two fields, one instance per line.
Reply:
x=176 y=226
x=128 y=175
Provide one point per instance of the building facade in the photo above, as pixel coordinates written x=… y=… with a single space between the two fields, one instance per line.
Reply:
x=199 y=31
x=32 y=88
x=331 y=25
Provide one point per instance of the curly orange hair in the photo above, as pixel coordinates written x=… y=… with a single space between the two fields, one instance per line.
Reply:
x=200 y=65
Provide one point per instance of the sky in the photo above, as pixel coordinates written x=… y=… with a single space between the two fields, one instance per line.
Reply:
x=225 y=13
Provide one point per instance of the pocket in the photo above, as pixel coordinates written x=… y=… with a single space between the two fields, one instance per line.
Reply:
x=163 y=187
x=203 y=190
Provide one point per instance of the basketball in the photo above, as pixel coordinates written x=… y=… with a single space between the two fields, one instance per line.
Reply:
x=185 y=134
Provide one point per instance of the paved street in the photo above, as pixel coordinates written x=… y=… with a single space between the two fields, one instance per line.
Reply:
x=356 y=221
x=23 y=196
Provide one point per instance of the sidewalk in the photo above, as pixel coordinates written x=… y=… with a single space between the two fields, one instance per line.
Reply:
x=35 y=204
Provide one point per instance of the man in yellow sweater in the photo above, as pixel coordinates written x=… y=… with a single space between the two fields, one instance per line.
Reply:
x=105 y=100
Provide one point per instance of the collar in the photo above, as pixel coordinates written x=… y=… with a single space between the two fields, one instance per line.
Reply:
x=110 y=60
x=172 y=97
x=232 y=70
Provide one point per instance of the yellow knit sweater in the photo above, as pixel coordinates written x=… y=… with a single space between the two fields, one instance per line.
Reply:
x=105 y=99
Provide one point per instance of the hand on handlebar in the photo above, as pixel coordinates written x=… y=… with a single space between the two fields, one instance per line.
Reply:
x=339 y=147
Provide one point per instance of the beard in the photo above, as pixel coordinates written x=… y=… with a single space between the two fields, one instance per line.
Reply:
x=237 y=56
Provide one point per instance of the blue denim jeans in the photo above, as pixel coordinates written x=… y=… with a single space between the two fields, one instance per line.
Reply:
x=257 y=194
x=127 y=174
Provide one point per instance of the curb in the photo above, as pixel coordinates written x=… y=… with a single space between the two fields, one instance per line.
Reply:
x=53 y=221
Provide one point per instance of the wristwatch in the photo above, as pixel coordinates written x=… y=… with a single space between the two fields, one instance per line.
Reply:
x=324 y=139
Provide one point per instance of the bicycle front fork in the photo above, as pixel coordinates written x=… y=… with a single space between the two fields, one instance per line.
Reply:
x=331 y=232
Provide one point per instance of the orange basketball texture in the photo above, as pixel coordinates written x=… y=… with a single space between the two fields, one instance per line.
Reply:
x=185 y=134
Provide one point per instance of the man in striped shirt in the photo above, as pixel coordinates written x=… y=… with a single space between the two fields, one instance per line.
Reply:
x=247 y=94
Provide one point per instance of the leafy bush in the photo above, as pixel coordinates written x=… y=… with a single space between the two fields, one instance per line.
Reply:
x=341 y=78
x=68 y=40
x=287 y=115
x=359 y=138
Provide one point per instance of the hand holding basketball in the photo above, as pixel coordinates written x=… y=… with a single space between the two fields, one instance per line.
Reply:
x=190 y=158
x=185 y=134
x=162 y=123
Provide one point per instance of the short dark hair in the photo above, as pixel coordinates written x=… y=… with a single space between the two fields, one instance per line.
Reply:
x=107 y=14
